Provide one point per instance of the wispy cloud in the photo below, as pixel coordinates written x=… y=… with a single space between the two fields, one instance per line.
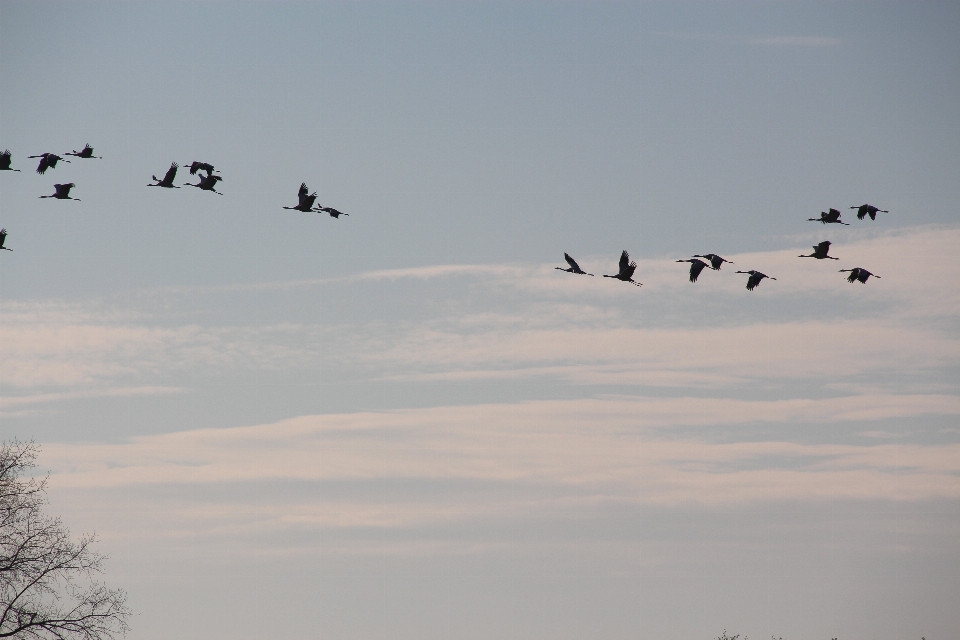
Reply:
x=564 y=457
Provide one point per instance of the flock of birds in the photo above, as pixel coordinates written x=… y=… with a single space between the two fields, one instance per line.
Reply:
x=206 y=182
x=857 y=274
x=307 y=203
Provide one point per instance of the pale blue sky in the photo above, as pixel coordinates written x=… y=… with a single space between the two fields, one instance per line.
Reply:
x=405 y=423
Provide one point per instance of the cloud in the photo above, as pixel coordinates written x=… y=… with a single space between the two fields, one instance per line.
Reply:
x=7 y=402
x=593 y=441
x=514 y=321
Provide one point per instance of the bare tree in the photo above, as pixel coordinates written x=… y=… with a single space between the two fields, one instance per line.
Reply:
x=48 y=589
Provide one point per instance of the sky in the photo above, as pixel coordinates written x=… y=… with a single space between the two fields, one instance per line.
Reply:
x=405 y=422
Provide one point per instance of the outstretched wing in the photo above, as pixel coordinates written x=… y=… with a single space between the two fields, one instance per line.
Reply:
x=303 y=189
x=572 y=263
x=696 y=266
x=823 y=246
x=624 y=261
x=3 y=237
x=171 y=173
x=628 y=270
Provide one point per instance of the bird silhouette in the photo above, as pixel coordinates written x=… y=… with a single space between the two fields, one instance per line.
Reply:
x=574 y=267
x=47 y=160
x=3 y=238
x=86 y=152
x=206 y=183
x=333 y=212
x=626 y=270
x=696 y=266
x=306 y=199
x=204 y=166
x=865 y=210
x=754 y=279
x=715 y=261
x=167 y=179
x=858 y=273
x=820 y=251
x=5 y=161
x=62 y=192
x=832 y=216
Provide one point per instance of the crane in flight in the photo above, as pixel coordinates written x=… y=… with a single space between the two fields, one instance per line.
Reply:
x=827 y=217
x=626 y=270
x=754 y=279
x=167 y=179
x=306 y=199
x=858 y=273
x=715 y=261
x=5 y=161
x=86 y=152
x=865 y=210
x=62 y=192
x=574 y=267
x=206 y=183
x=47 y=160
x=333 y=212
x=820 y=251
x=201 y=166
x=3 y=238
x=696 y=266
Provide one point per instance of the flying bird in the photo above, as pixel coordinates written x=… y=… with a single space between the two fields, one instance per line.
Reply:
x=167 y=179
x=858 y=273
x=832 y=216
x=3 y=238
x=626 y=269
x=5 y=161
x=86 y=152
x=306 y=199
x=62 y=192
x=333 y=212
x=715 y=261
x=820 y=251
x=696 y=266
x=754 y=279
x=201 y=166
x=574 y=267
x=865 y=210
x=47 y=160
x=206 y=183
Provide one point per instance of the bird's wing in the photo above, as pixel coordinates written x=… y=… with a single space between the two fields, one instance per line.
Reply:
x=303 y=189
x=624 y=260
x=696 y=266
x=629 y=269
x=171 y=173
x=571 y=262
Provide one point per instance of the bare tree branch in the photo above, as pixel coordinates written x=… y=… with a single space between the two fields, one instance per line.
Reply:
x=47 y=585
